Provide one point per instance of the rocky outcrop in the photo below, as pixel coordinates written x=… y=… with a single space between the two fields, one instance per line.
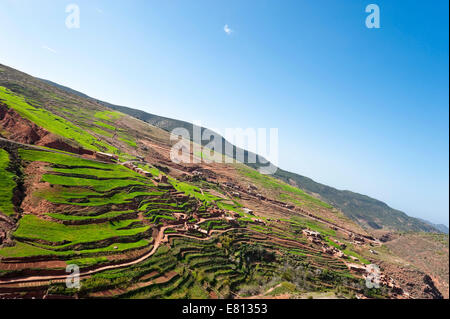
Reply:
x=387 y=237
x=414 y=282
x=6 y=225
x=430 y=289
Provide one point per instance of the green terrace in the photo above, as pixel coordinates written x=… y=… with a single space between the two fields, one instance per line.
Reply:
x=158 y=203
x=58 y=158
x=82 y=197
x=188 y=269
x=114 y=215
x=7 y=185
x=215 y=224
x=38 y=237
x=80 y=234
x=191 y=268
x=108 y=116
x=53 y=123
x=21 y=250
x=107 y=130
x=298 y=223
x=192 y=190
x=153 y=170
x=82 y=182
x=95 y=184
x=282 y=190
x=33 y=228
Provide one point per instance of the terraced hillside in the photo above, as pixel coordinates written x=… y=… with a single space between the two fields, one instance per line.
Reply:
x=174 y=238
x=81 y=184
x=366 y=211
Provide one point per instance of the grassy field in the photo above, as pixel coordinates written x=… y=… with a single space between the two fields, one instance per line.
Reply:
x=104 y=125
x=116 y=171
x=79 y=182
x=60 y=159
x=108 y=215
x=27 y=250
x=193 y=190
x=282 y=190
x=7 y=185
x=108 y=115
x=33 y=227
x=99 y=131
x=69 y=199
x=53 y=123
x=97 y=185
x=80 y=172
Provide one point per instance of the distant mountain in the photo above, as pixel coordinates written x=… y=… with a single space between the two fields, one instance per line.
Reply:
x=368 y=212
x=441 y=227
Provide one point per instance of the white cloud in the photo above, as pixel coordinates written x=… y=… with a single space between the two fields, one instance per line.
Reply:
x=49 y=49
x=227 y=29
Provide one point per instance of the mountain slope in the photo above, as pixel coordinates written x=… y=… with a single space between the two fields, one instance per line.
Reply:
x=441 y=227
x=367 y=211
x=139 y=225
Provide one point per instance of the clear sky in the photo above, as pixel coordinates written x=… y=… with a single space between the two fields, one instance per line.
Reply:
x=356 y=108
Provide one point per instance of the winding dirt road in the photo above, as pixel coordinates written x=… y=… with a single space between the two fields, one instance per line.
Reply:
x=161 y=238
x=156 y=245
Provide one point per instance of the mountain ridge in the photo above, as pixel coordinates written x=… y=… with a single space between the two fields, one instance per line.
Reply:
x=441 y=227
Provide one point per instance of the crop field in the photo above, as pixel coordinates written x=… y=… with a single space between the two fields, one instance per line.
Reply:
x=215 y=267
x=7 y=184
x=34 y=228
x=52 y=122
x=78 y=182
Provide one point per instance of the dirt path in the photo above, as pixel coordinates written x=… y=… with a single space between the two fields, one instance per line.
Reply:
x=260 y=296
x=219 y=231
x=158 y=241
x=160 y=238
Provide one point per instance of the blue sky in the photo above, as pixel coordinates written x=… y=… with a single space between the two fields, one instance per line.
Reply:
x=356 y=108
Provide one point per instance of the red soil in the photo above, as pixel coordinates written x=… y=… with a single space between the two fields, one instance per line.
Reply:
x=31 y=265
x=16 y=128
x=19 y=129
